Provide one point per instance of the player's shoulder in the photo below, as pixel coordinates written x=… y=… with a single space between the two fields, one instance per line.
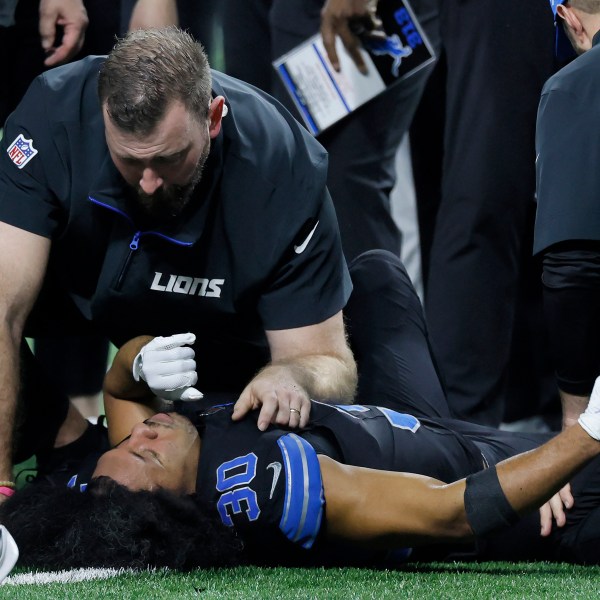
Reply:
x=274 y=475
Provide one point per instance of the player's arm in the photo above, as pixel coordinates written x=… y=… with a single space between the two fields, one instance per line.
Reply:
x=306 y=362
x=398 y=509
x=23 y=259
x=126 y=401
x=145 y=372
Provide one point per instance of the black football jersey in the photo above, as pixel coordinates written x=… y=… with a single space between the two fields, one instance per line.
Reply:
x=268 y=484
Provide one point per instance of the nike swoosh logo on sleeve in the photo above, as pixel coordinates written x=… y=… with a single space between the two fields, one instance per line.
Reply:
x=276 y=466
x=302 y=247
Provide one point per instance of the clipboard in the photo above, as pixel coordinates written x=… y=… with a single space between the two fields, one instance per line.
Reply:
x=323 y=96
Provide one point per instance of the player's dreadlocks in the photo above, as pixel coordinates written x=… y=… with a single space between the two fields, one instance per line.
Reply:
x=111 y=526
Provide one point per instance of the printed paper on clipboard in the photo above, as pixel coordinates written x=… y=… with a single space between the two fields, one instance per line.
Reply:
x=324 y=96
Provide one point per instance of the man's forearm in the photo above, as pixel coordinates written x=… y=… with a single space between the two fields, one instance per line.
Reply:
x=306 y=362
x=323 y=377
x=9 y=376
x=531 y=478
x=119 y=381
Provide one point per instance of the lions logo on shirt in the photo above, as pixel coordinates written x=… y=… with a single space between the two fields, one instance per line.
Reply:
x=21 y=151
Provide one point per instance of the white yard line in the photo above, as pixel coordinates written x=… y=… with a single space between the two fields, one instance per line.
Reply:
x=72 y=576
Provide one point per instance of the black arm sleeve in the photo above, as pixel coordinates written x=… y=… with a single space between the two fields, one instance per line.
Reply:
x=571 y=284
x=488 y=510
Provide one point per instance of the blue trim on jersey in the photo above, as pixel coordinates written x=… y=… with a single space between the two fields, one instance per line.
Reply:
x=395 y=418
x=73 y=481
x=304 y=500
x=352 y=407
x=400 y=420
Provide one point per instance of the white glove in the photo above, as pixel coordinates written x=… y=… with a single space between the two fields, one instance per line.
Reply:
x=590 y=419
x=167 y=365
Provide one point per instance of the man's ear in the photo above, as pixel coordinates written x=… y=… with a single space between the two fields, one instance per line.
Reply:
x=216 y=112
x=571 y=20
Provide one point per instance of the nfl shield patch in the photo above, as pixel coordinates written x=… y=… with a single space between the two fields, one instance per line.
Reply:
x=21 y=151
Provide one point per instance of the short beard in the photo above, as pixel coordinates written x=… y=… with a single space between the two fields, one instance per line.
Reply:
x=168 y=203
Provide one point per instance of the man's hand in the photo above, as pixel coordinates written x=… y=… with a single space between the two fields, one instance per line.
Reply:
x=306 y=362
x=590 y=419
x=72 y=17
x=590 y=422
x=279 y=396
x=336 y=18
x=167 y=365
x=554 y=510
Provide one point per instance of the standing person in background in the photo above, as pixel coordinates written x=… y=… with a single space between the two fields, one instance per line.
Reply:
x=497 y=59
x=362 y=147
x=498 y=56
x=29 y=36
x=247 y=42
x=44 y=34
x=203 y=19
x=567 y=228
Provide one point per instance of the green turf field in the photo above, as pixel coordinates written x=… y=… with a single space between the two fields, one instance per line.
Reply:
x=448 y=581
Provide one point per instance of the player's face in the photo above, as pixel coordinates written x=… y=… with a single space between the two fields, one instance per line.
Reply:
x=164 y=166
x=161 y=452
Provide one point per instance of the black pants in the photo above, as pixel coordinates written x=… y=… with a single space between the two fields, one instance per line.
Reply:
x=41 y=409
x=362 y=148
x=498 y=56
x=397 y=369
x=60 y=370
x=388 y=336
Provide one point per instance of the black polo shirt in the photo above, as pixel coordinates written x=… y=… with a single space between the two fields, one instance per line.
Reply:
x=568 y=153
x=235 y=263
